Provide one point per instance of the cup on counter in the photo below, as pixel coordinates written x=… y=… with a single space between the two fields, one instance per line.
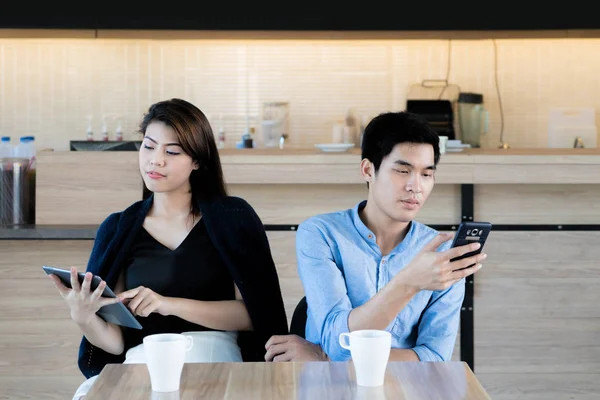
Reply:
x=370 y=351
x=443 y=144
x=338 y=133
x=165 y=356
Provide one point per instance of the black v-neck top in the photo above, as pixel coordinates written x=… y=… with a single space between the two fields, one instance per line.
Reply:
x=239 y=236
x=194 y=270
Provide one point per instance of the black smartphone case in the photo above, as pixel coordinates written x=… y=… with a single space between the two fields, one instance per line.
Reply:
x=469 y=232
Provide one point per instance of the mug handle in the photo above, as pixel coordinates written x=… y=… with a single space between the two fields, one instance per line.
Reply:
x=345 y=338
x=189 y=343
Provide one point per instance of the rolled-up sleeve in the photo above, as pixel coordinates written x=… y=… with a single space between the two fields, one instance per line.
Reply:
x=439 y=322
x=327 y=297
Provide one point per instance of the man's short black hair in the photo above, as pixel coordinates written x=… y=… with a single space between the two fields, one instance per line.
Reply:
x=387 y=130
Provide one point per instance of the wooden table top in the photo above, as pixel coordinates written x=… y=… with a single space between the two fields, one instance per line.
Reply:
x=310 y=381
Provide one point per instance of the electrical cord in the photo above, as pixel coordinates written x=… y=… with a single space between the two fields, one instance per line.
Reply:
x=502 y=144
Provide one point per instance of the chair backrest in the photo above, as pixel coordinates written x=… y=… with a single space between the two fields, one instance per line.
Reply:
x=298 y=324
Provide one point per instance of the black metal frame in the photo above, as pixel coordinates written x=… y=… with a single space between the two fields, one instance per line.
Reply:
x=467 y=328
x=467 y=206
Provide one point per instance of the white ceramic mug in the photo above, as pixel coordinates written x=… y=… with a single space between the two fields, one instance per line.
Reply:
x=443 y=144
x=370 y=351
x=165 y=356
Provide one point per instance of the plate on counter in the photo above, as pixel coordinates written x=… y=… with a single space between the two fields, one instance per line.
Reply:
x=334 y=147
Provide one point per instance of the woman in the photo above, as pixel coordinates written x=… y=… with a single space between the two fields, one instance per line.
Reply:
x=187 y=258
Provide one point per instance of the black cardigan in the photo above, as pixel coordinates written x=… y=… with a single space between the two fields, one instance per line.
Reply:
x=239 y=236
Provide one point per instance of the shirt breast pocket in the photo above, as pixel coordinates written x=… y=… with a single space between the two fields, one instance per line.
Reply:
x=406 y=324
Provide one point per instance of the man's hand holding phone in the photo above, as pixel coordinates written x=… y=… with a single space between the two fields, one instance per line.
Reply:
x=434 y=270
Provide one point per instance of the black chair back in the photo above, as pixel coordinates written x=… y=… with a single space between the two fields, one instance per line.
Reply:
x=298 y=324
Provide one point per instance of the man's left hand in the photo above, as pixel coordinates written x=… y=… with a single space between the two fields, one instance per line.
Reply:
x=293 y=348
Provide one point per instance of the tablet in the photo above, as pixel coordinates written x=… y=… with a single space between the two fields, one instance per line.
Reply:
x=116 y=313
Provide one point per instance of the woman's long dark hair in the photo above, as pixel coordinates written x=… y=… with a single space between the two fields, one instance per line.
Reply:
x=196 y=137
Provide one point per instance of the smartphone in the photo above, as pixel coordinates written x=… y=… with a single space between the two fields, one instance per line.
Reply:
x=469 y=232
x=65 y=278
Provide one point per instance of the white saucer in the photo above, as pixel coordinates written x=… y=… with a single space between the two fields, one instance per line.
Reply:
x=334 y=147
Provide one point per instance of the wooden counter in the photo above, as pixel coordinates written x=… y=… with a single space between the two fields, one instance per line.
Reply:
x=310 y=166
x=524 y=186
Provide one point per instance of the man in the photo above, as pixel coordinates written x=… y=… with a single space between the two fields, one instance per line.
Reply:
x=373 y=266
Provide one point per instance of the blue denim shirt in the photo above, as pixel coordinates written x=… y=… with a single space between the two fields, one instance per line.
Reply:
x=341 y=267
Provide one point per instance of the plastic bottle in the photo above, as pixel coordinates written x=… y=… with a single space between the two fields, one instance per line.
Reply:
x=90 y=131
x=6 y=149
x=21 y=150
x=26 y=149
x=119 y=131
x=104 y=130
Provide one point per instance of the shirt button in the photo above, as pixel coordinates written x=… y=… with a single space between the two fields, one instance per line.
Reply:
x=370 y=236
x=383 y=261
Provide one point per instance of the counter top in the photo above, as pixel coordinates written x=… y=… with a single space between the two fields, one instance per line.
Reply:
x=307 y=155
x=49 y=232
x=84 y=187
x=309 y=151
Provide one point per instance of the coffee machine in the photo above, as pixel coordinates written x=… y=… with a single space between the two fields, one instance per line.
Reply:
x=438 y=113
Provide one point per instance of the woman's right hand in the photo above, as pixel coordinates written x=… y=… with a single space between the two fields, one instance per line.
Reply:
x=81 y=300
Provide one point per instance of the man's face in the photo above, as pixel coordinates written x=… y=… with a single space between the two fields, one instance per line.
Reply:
x=403 y=182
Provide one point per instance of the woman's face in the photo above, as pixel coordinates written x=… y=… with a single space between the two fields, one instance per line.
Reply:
x=163 y=164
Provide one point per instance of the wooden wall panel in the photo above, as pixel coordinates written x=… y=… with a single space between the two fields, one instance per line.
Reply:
x=537 y=322
x=38 y=340
x=538 y=204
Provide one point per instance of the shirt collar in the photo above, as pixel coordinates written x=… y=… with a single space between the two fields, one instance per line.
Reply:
x=369 y=236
